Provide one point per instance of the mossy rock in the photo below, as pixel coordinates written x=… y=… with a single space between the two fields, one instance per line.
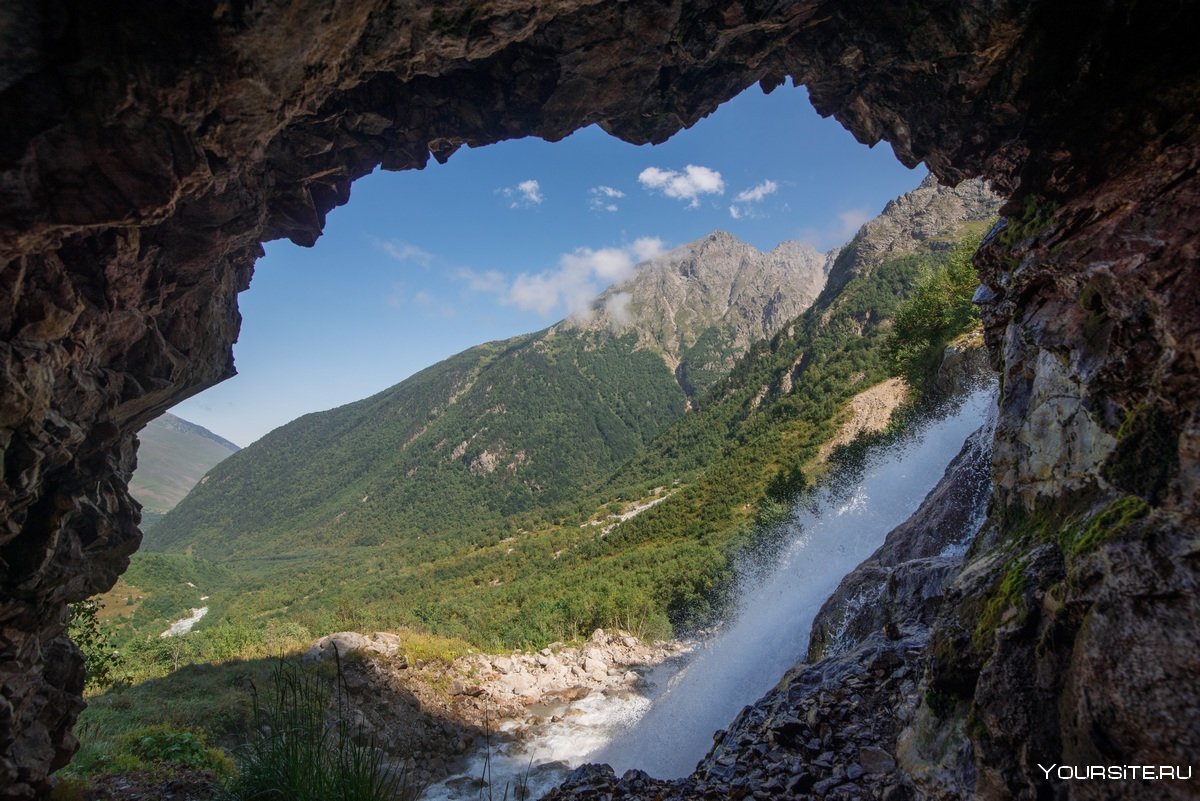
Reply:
x=1110 y=522
x=1146 y=456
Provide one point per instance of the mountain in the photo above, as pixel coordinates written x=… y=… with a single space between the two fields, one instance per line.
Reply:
x=172 y=457
x=924 y=219
x=508 y=427
x=705 y=303
x=527 y=491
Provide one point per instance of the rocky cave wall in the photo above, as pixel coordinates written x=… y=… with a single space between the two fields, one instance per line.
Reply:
x=150 y=148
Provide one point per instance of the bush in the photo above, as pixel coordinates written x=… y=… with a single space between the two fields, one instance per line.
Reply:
x=100 y=658
x=183 y=747
x=938 y=310
x=293 y=754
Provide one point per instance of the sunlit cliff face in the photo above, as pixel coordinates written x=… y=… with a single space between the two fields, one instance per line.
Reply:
x=148 y=153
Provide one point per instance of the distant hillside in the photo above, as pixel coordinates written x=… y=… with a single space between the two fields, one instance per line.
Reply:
x=172 y=457
x=505 y=428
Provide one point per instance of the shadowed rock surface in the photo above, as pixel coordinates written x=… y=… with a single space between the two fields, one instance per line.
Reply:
x=150 y=148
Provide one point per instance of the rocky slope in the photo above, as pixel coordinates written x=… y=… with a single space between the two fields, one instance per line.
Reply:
x=918 y=219
x=705 y=303
x=505 y=427
x=435 y=713
x=153 y=148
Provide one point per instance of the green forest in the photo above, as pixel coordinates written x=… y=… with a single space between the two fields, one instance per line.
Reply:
x=537 y=554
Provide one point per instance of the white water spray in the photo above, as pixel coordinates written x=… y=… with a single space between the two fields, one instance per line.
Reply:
x=770 y=629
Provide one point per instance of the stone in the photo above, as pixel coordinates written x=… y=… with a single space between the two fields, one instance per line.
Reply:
x=876 y=760
x=343 y=642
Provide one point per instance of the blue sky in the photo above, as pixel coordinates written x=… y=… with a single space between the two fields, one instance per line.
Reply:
x=507 y=239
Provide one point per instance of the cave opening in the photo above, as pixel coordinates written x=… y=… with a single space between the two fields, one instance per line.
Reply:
x=422 y=264
x=152 y=149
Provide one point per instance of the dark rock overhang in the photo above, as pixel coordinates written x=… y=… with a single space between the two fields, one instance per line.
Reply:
x=149 y=148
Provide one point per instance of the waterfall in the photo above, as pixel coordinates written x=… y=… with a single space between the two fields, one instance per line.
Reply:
x=769 y=630
x=667 y=731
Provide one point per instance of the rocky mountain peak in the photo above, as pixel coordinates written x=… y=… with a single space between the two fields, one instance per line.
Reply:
x=718 y=294
x=928 y=213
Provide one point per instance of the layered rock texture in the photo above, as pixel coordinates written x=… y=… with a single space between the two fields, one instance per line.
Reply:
x=150 y=148
x=702 y=305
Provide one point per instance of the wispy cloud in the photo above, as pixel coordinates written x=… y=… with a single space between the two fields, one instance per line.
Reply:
x=688 y=185
x=839 y=231
x=426 y=301
x=744 y=200
x=757 y=192
x=405 y=252
x=618 y=308
x=524 y=195
x=573 y=285
x=488 y=281
x=604 y=198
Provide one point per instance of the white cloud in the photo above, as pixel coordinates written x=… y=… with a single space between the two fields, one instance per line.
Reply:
x=618 y=308
x=404 y=252
x=523 y=195
x=850 y=221
x=572 y=286
x=688 y=185
x=422 y=298
x=647 y=247
x=604 y=197
x=754 y=194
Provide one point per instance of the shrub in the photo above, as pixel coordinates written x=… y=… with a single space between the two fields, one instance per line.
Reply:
x=294 y=754
x=184 y=747
x=100 y=658
x=938 y=310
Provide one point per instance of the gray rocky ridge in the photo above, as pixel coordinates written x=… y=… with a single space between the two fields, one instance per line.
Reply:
x=703 y=304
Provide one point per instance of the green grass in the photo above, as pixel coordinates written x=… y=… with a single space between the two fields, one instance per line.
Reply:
x=292 y=753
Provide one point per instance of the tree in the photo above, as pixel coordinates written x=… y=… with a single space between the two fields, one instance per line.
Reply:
x=100 y=658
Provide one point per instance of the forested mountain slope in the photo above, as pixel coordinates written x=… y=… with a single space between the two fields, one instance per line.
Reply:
x=652 y=507
x=507 y=427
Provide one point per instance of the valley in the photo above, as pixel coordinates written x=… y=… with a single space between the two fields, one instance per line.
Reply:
x=655 y=530
x=391 y=494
